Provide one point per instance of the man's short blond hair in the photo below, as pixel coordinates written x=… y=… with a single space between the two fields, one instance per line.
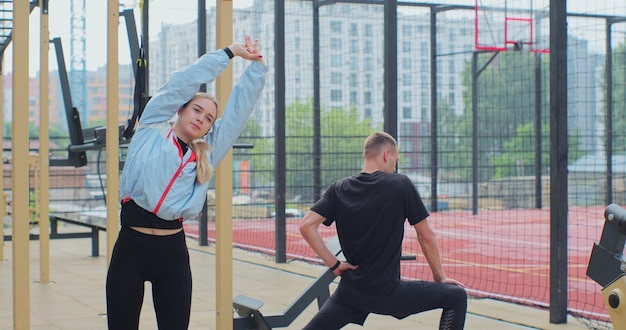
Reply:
x=376 y=143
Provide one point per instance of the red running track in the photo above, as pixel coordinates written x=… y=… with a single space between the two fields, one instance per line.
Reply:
x=500 y=254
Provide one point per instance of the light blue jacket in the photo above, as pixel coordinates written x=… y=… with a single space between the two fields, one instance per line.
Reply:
x=156 y=175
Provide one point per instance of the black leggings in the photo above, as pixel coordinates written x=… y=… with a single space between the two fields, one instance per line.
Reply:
x=348 y=305
x=162 y=260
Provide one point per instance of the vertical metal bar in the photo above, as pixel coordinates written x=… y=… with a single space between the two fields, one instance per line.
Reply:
x=145 y=33
x=538 y=130
x=558 y=161
x=95 y=242
x=433 y=108
x=203 y=225
x=279 y=96
x=391 y=68
x=317 y=126
x=131 y=31
x=20 y=214
x=475 y=133
x=224 y=184
x=609 y=114
x=44 y=147
x=112 y=134
x=202 y=47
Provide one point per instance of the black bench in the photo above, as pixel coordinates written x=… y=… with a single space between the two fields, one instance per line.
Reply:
x=93 y=233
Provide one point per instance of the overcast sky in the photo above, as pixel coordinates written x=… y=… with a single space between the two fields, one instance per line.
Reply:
x=183 y=11
x=161 y=11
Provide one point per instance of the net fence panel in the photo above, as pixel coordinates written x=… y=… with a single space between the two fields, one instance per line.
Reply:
x=502 y=250
x=495 y=156
x=591 y=185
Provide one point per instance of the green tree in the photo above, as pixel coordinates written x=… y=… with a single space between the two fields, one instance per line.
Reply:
x=619 y=99
x=518 y=159
x=454 y=153
x=506 y=100
x=261 y=156
x=342 y=142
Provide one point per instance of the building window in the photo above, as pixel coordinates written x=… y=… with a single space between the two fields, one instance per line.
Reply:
x=335 y=27
x=406 y=46
x=354 y=30
x=406 y=96
x=354 y=98
x=353 y=80
x=335 y=60
x=369 y=30
x=406 y=63
x=406 y=112
x=335 y=95
x=354 y=64
x=368 y=113
x=335 y=78
x=368 y=65
x=407 y=79
x=368 y=80
x=354 y=46
x=406 y=30
x=367 y=98
x=335 y=44
x=368 y=48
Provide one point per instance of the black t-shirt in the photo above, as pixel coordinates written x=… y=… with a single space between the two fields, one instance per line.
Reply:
x=369 y=210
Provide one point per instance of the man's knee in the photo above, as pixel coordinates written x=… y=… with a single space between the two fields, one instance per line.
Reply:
x=460 y=297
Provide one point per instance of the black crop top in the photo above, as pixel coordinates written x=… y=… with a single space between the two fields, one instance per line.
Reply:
x=133 y=215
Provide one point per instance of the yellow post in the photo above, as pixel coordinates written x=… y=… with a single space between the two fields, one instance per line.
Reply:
x=224 y=185
x=112 y=135
x=19 y=203
x=44 y=149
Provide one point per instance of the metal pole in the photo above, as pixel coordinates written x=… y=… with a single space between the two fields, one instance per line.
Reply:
x=475 y=74
x=538 y=130
x=433 y=108
x=391 y=68
x=558 y=161
x=281 y=161
x=475 y=133
x=609 y=114
x=204 y=214
x=145 y=15
x=317 y=126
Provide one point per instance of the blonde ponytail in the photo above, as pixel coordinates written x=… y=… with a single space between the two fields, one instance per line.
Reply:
x=204 y=170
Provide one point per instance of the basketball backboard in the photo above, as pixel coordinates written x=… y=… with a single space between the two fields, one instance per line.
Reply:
x=502 y=25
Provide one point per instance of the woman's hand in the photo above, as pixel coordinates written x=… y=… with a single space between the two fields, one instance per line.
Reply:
x=248 y=50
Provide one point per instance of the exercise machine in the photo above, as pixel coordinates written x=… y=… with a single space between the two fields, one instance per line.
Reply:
x=247 y=308
x=607 y=264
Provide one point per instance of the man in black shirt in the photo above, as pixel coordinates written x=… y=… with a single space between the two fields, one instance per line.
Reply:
x=369 y=210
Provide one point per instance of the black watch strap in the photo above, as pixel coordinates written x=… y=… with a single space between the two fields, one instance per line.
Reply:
x=229 y=52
